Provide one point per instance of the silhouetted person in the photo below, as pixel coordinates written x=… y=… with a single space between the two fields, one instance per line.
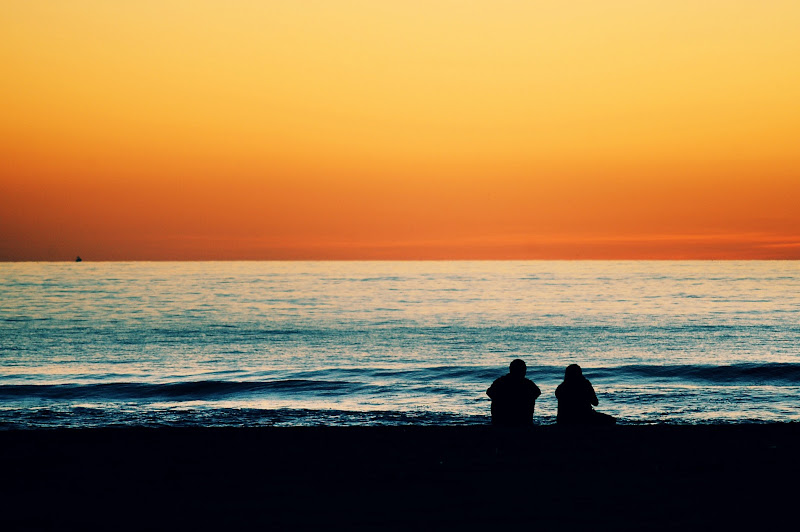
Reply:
x=575 y=400
x=513 y=397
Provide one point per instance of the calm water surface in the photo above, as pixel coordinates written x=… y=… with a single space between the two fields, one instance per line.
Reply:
x=306 y=343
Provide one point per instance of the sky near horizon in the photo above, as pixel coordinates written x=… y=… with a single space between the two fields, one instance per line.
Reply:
x=435 y=129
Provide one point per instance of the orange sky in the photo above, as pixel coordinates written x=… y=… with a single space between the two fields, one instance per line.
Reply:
x=406 y=129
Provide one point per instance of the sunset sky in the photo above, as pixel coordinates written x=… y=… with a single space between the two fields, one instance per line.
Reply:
x=383 y=129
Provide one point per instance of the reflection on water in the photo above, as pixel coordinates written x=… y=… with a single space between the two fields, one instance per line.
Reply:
x=367 y=342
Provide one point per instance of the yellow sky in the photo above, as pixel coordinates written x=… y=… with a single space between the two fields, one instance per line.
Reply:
x=456 y=110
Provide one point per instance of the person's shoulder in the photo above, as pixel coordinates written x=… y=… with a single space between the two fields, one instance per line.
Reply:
x=500 y=380
x=532 y=389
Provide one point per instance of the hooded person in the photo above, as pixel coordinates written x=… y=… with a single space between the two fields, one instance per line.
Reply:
x=576 y=399
x=513 y=397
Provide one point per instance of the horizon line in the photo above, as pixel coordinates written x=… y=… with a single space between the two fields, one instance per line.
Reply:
x=724 y=259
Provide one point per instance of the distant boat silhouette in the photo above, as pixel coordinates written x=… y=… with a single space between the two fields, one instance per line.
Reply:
x=78 y=259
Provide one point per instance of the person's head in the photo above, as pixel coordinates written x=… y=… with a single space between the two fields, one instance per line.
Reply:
x=573 y=371
x=517 y=368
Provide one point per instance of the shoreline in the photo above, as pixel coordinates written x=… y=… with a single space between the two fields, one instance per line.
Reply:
x=653 y=477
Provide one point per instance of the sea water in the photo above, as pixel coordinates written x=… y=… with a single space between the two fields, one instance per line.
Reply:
x=373 y=343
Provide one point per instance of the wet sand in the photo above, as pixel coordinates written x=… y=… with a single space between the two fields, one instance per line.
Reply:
x=401 y=478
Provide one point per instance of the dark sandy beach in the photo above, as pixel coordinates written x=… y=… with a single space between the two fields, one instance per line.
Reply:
x=401 y=478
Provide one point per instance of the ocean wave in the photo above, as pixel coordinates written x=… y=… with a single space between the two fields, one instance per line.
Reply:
x=773 y=373
x=185 y=391
x=743 y=373
x=433 y=381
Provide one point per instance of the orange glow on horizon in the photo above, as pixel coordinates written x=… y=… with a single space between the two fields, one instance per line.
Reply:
x=399 y=130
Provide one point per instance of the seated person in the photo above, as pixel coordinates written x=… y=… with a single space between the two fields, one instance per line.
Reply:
x=513 y=397
x=575 y=400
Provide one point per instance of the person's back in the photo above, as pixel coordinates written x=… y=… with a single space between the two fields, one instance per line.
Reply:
x=576 y=397
x=575 y=400
x=513 y=397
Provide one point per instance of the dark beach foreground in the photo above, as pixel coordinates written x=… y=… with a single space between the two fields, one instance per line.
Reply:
x=401 y=478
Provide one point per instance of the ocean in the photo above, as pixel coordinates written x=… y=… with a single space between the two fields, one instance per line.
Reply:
x=390 y=343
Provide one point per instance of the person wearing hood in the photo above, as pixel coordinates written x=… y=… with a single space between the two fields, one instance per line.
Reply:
x=576 y=399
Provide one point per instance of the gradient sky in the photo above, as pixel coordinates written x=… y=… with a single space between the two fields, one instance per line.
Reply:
x=399 y=129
